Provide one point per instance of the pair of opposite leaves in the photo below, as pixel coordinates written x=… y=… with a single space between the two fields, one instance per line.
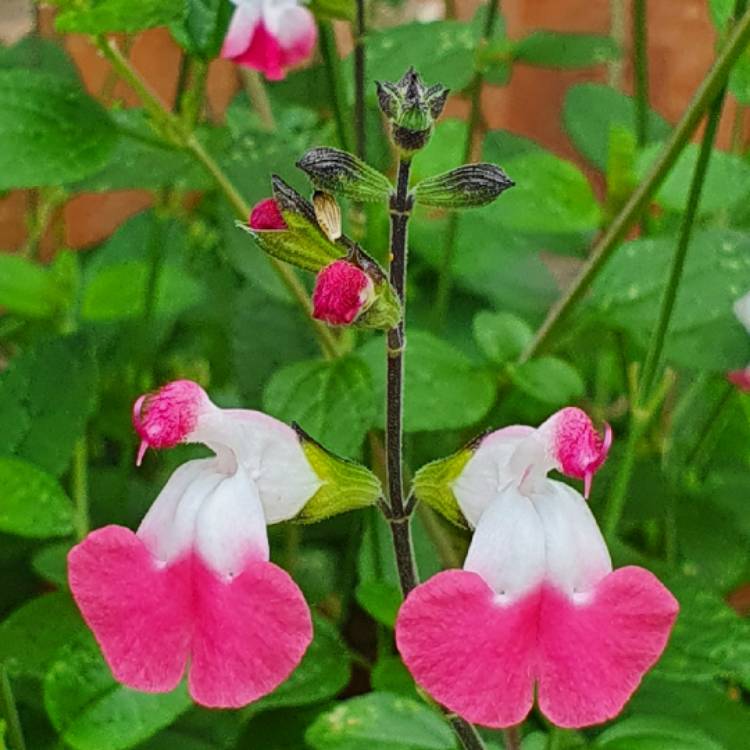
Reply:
x=537 y=602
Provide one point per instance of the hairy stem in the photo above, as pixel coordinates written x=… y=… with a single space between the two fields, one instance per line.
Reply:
x=707 y=92
x=256 y=91
x=640 y=66
x=329 y=51
x=10 y=712
x=466 y=733
x=471 y=147
x=360 y=112
x=161 y=114
x=80 y=487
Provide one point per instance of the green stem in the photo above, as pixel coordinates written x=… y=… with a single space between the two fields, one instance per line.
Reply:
x=81 y=487
x=640 y=65
x=162 y=115
x=360 y=60
x=257 y=92
x=617 y=32
x=471 y=145
x=10 y=712
x=329 y=51
x=639 y=200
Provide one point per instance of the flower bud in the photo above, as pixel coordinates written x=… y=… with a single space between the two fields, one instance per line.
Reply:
x=342 y=173
x=411 y=109
x=266 y=216
x=355 y=290
x=469 y=186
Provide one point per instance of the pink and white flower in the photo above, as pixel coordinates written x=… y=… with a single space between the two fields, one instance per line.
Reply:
x=537 y=605
x=741 y=378
x=270 y=36
x=194 y=584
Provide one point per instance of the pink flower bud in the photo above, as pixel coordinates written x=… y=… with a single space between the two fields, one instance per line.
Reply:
x=342 y=292
x=740 y=378
x=266 y=216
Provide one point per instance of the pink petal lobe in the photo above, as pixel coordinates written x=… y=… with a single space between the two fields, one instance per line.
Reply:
x=251 y=632
x=138 y=612
x=740 y=378
x=470 y=652
x=594 y=654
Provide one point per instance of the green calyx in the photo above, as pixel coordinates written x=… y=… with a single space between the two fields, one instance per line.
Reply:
x=342 y=173
x=433 y=484
x=470 y=186
x=346 y=485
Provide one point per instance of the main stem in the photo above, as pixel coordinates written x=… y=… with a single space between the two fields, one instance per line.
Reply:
x=10 y=712
x=640 y=65
x=471 y=146
x=400 y=209
x=632 y=210
x=160 y=113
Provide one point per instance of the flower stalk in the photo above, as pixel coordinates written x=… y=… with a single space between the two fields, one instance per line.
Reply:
x=360 y=114
x=10 y=712
x=640 y=64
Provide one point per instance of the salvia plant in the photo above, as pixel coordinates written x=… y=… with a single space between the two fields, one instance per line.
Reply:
x=320 y=451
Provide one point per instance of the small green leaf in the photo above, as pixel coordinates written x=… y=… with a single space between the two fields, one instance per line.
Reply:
x=346 y=485
x=32 y=635
x=549 y=380
x=101 y=16
x=592 y=110
x=91 y=710
x=32 y=503
x=51 y=563
x=391 y=675
x=202 y=29
x=29 y=289
x=552 y=49
x=323 y=672
x=331 y=400
x=446 y=389
x=380 y=599
x=380 y=721
x=654 y=733
x=502 y=337
x=52 y=132
x=37 y=53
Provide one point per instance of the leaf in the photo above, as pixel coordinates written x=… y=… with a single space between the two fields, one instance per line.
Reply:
x=380 y=721
x=549 y=380
x=52 y=132
x=117 y=15
x=29 y=289
x=91 y=710
x=654 y=733
x=55 y=409
x=202 y=29
x=37 y=53
x=703 y=333
x=553 y=49
x=32 y=635
x=502 y=337
x=726 y=184
x=442 y=52
x=32 y=504
x=323 y=672
x=345 y=10
x=381 y=600
x=51 y=563
x=592 y=111
x=391 y=675
x=444 y=389
x=330 y=399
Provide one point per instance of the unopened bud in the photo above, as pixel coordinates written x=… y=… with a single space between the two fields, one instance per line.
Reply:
x=342 y=173
x=465 y=187
x=266 y=216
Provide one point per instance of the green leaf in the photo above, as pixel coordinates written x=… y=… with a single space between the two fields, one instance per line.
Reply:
x=593 y=110
x=53 y=409
x=380 y=721
x=345 y=10
x=549 y=380
x=51 y=563
x=91 y=710
x=32 y=635
x=726 y=184
x=391 y=675
x=117 y=15
x=323 y=672
x=654 y=733
x=52 y=132
x=552 y=49
x=442 y=52
x=29 y=289
x=202 y=29
x=331 y=400
x=380 y=599
x=32 y=504
x=501 y=336
x=37 y=53
x=703 y=333
x=445 y=389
